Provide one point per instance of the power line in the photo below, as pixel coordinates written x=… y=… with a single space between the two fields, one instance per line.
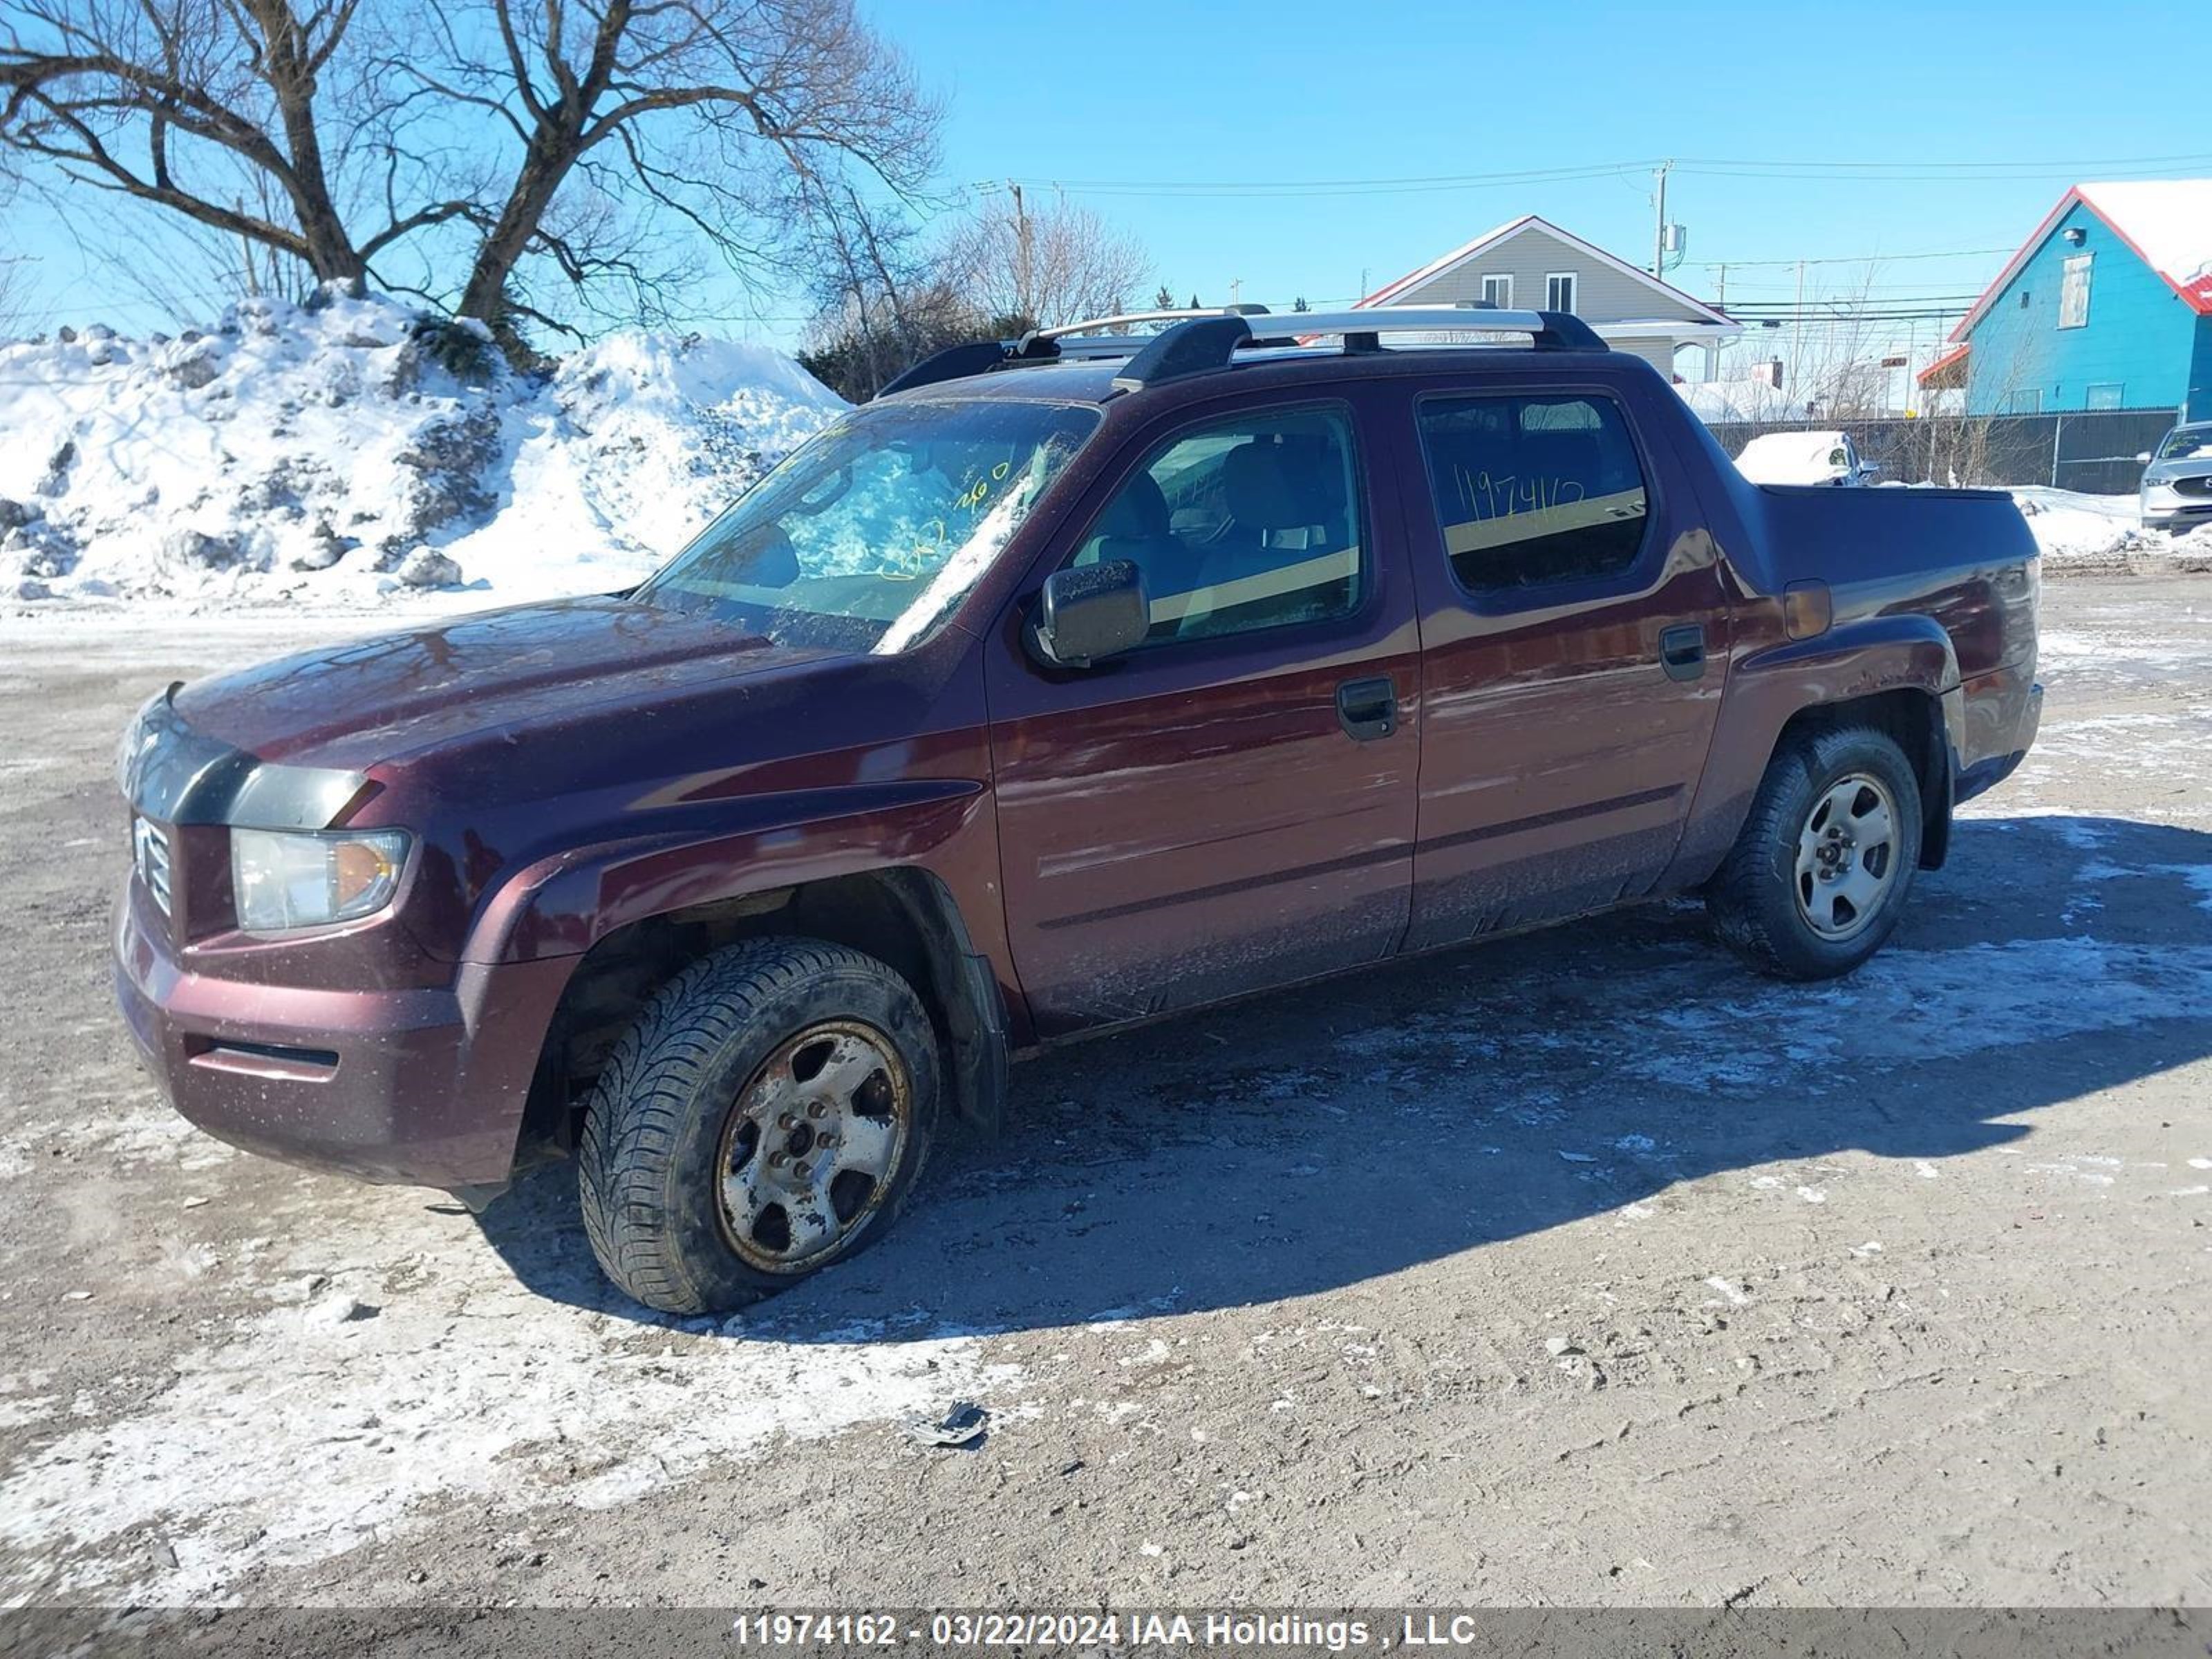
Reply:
x=2109 y=162
x=1903 y=172
x=1841 y=303
x=1862 y=259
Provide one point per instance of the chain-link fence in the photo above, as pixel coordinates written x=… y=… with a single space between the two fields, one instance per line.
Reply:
x=2094 y=452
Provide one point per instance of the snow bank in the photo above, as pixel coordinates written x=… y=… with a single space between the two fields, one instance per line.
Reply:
x=325 y=455
x=2082 y=533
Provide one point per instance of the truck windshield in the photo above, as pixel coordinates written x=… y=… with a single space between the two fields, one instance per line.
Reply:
x=868 y=533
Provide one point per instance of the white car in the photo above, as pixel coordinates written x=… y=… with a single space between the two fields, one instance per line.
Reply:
x=1804 y=458
x=2177 y=485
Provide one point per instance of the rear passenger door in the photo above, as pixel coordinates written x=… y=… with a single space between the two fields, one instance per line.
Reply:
x=1572 y=623
x=1230 y=806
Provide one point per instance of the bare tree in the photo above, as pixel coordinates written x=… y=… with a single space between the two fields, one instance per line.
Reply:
x=1045 y=266
x=180 y=104
x=881 y=301
x=1833 y=369
x=523 y=153
x=884 y=298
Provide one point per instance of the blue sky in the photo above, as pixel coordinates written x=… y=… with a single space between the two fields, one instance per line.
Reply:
x=1229 y=91
x=1960 y=125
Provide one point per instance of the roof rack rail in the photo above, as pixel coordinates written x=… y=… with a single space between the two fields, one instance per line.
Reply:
x=1197 y=341
x=1043 y=345
x=1190 y=348
x=1064 y=330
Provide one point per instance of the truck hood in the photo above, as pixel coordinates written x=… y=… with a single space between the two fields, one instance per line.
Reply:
x=374 y=700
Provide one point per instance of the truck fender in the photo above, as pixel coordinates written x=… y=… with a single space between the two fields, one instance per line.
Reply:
x=1852 y=661
x=565 y=905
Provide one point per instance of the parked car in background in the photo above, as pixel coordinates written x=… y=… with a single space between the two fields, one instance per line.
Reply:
x=2177 y=484
x=1804 y=458
x=1072 y=683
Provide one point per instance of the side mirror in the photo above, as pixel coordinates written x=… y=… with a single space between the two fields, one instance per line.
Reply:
x=2144 y=457
x=1089 y=612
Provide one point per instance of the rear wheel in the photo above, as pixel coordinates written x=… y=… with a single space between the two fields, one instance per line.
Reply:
x=1818 y=876
x=766 y=1116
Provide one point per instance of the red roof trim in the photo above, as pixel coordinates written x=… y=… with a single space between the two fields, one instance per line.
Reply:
x=2196 y=294
x=2012 y=266
x=1957 y=354
x=2200 y=303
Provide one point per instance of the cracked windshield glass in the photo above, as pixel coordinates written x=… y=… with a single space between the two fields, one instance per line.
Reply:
x=867 y=535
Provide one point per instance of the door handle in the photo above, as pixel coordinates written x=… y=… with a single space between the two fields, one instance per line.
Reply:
x=1367 y=709
x=1682 y=652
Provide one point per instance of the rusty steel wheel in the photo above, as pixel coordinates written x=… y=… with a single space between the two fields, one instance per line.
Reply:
x=766 y=1116
x=809 y=1147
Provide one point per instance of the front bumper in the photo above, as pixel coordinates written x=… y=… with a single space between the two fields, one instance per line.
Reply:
x=2164 y=507
x=425 y=1086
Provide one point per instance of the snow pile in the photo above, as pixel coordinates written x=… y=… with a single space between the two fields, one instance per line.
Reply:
x=1792 y=458
x=327 y=454
x=2078 y=532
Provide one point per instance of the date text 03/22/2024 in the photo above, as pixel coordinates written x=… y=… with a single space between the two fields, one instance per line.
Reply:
x=1167 y=1630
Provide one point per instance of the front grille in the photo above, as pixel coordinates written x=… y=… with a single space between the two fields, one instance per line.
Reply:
x=2198 y=486
x=149 y=851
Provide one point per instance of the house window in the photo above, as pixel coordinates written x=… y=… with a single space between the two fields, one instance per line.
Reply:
x=2028 y=402
x=2105 y=394
x=1498 y=291
x=2074 y=292
x=1560 y=290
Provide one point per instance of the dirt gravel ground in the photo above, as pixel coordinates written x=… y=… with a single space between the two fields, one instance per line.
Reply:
x=1580 y=1269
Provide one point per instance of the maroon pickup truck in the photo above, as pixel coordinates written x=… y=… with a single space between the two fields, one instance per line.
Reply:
x=1075 y=681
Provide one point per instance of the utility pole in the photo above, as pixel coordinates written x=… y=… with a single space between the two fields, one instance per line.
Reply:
x=1236 y=289
x=1798 y=329
x=1022 y=254
x=1659 y=228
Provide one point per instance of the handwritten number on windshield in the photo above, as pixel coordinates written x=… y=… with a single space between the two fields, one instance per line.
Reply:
x=978 y=492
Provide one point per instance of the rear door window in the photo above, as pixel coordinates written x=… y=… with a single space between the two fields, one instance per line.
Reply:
x=1242 y=524
x=1534 y=491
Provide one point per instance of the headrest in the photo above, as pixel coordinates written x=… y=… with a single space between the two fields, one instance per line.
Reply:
x=1262 y=492
x=1139 y=511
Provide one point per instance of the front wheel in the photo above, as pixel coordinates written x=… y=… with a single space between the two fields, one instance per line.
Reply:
x=766 y=1116
x=1818 y=878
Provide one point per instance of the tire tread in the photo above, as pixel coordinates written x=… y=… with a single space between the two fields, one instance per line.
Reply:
x=647 y=1094
x=1750 y=901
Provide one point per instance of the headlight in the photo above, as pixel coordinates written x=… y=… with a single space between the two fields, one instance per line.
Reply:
x=279 y=880
x=127 y=746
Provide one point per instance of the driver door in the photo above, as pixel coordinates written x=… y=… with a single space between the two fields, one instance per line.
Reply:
x=1230 y=806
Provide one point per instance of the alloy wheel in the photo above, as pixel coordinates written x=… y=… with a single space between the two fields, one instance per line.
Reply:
x=1847 y=856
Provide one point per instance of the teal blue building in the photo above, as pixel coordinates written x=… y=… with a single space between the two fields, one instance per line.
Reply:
x=2107 y=306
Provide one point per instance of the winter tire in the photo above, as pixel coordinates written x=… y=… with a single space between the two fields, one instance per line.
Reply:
x=1818 y=874
x=766 y=1115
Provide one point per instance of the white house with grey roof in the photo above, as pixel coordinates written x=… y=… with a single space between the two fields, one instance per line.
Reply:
x=1531 y=263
